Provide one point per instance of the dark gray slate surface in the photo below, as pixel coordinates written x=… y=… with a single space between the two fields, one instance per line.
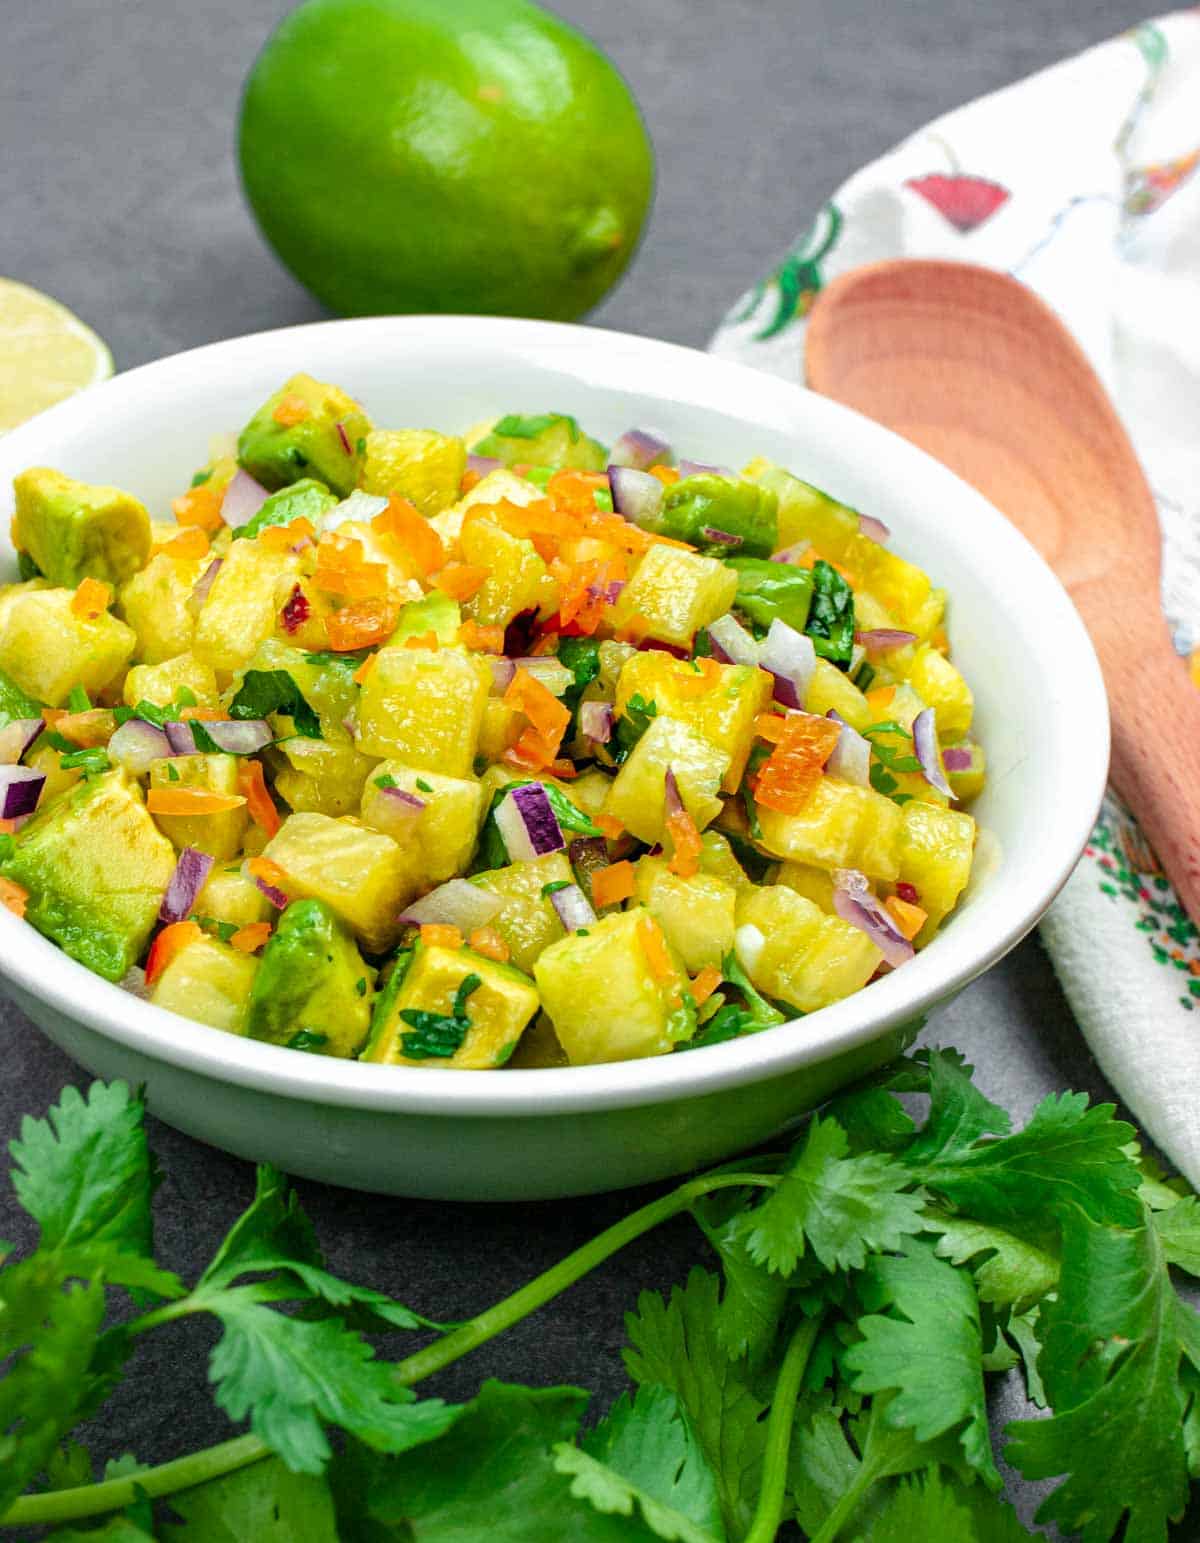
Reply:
x=119 y=196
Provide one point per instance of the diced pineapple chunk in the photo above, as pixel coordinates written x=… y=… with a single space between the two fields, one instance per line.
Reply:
x=723 y=711
x=500 y=485
x=239 y=611
x=793 y=950
x=60 y=779
x=439 y=838
x=47 y=648
x=967 y=782
x=638 y=793
x=155 y=604
x=831 y=688
x=604 y=996
x=495 y=1010
x=231 y=896
x=815 y=884
x=941 y=684
x=210 y=982
x=696 y=914
x=527 y=922
x=674 y=592
x=358 y=872
x=539 y=1047
x=842 y=826
x=425 y=707
x=322 y=777
x=500 y=729
x=717 y=859
x=218 y=834
x=161 y=683
x=326 y=682
x=418 y=464
x=515 y=573
x=935 y=849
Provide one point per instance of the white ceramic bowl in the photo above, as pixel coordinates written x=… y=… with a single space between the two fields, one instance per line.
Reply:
x=1040 y=712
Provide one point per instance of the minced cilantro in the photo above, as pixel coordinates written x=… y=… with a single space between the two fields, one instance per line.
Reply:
x=307 y=1039
x=423 y=786
x=631 y=725
x=439 y=1034
x=78 y=700
x=263 y=692
x=91 y=762
x=218 y=929
x=830 y=622
x=554 y=886
x=886 y=759
x=360 y=986
x=386 y=781
x=172 y=772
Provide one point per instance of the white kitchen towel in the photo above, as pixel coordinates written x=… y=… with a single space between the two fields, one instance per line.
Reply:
x=1084 y=182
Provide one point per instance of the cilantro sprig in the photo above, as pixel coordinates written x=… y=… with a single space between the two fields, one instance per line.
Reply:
x=829 y=1375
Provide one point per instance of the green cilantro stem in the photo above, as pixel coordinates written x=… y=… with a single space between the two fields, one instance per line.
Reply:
x=65 y=1505
x=846 y=1507
x=768 y=1515
x=545 y=1287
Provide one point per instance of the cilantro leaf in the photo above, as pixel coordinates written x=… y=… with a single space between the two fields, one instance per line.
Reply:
x=493 y=1476
x=1068 y=1155
x=1178 y=1229
x=263 y=692
x=439 y=1034
x=830 y=622
x=1010 y=1271
x=931 y=1506
x=649 y=1459
x=582 y=657
x=632 y=723
x=292 y=1376
x=264 y=1502
x=1112 y=1344
x=676 y=1344
x=843 y=1206
x=959 y=1114
x=84 y=1172
x=753 y=1298
x=921 y=1338
x=118 y=1529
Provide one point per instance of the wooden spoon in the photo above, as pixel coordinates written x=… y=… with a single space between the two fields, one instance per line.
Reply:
x=973 y=367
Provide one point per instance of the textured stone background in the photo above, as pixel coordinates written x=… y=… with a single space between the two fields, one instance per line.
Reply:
x=118 y=194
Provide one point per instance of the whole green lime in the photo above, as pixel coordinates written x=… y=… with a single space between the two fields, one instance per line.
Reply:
x=444 y=155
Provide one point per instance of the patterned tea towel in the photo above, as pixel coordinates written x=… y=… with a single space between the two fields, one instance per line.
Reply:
x=1084 y=182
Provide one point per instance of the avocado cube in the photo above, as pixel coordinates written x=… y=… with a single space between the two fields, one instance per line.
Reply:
x=515 y=573
x=695 y=914
x=638 y=794
x=539 y=1048
x=674 y=592
x=603 y=996
x=723 y=712
x=240 y=608
x=307 y=499
x=841 y=826
x=210 y=982
x=708 y=501
x=307 y=429
x=46 y=648
x=542 y=439
x=96 y=868
x=471 y=1009
x=312 y=980
x=155 y=604
x=527 y=921
x=425 y=708
x=434 y=612
x=162 y=683
x=232 y=897
x=417 y=464
x=359 y=873
x=74 y=531
x=441 y=836
x=220 y=835
x=793 y=950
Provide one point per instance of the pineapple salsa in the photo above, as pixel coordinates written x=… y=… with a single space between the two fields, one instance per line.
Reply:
x=500 y=750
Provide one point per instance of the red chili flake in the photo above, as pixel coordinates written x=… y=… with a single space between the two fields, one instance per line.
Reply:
x=908 y=892
x=344 y=437
x=296 y=611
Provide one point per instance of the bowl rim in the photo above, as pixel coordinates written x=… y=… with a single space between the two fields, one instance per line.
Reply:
x=35 y=965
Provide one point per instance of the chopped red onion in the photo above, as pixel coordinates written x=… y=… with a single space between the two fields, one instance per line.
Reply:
x=791 y=554
x=238 y=736
x=180 y=738
x=672 y=803
x=573 y=908
x=880 y=639
x=925 y=743
x=134 y=981
x=344 y=437
x=244 y=497
x=20 y=789
x=731 y=643
x=640 y=449
x=484 y=464
x=360 y=507
x=596 y=721
x=587 y=853
x=190 y=876
x=875 y=529
x=957 y=758
x=636 y=495
x=195 y=601
x=613 y=593
x=135 y=744
x=720 y=537
x=17 y=737
x=704 y=468
x=851 y=758
x=503 y=671
x=527 y=823
x=275 y=895
x=854 y=903
x=413 y=804
x=656 y=645
x=545 y=669
x=457 y=903
x=789 y=656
